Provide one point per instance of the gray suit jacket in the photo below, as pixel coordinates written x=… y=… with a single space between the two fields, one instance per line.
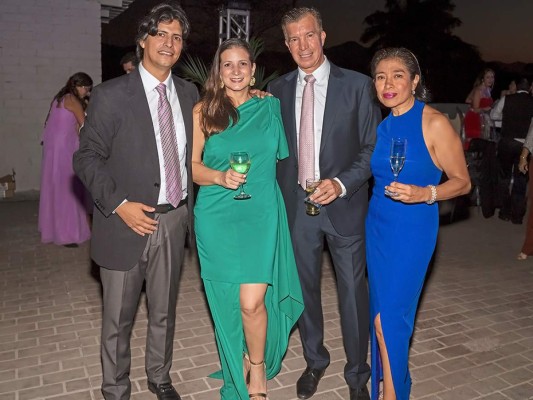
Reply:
x=351 y=117
x=117 y=160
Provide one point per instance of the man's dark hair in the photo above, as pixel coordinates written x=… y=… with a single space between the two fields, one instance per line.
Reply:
x=129 y=57
x=164 y=12
x=522 y=84
x=296 y=14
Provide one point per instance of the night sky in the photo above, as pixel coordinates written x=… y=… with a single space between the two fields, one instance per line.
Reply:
x=501 y=29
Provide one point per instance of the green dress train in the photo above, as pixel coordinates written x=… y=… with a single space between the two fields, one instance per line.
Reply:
x=247 y=241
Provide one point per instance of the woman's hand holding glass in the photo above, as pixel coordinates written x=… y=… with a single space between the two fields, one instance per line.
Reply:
x=231 y=179
x=409 y=193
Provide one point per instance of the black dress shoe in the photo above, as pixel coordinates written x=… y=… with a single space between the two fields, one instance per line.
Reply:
x=504 y=217
x=308 y=382
x=164 y=391
x=359 y=393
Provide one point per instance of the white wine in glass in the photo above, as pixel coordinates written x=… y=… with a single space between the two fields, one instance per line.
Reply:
x=240 y=162
x=398 y=149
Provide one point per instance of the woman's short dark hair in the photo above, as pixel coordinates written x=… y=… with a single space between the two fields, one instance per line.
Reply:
x=410 y=62
x=164 y=12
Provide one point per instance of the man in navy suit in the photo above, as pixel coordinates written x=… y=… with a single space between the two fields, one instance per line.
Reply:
x=345 y=120
x=140 y=227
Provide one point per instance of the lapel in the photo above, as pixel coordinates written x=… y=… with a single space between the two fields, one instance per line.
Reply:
x=289 y=94
x=335 y=86
x=186 y=106
x=141 y=113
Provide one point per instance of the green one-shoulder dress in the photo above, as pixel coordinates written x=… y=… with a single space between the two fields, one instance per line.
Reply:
x=247 y=241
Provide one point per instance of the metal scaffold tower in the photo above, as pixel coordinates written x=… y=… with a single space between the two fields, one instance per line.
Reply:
x=234 y=21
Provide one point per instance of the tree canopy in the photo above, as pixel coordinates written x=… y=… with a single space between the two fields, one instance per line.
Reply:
x=426 y=28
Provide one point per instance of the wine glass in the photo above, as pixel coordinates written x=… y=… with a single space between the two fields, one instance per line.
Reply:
x=398 y=149
x=240 y=162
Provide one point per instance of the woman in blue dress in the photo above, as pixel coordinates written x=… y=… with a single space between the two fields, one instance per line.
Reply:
x=402 y=221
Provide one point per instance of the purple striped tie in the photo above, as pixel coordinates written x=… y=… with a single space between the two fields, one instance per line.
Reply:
x=306 y=145
x=169 y=144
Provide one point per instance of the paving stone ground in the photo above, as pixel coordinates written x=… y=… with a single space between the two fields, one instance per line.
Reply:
x=473 y=339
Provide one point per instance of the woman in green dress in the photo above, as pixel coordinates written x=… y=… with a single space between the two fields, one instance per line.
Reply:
x=246 y=258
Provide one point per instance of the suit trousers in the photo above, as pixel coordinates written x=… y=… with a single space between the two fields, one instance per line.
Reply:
x=160 y=266
x=349 y=262
x=513 y=197
x=527 y=247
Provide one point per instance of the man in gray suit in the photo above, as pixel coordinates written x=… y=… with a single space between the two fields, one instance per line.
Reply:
x=345 y=118
x=135 y=158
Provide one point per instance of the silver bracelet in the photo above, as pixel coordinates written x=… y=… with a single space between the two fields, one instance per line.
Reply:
x=433 y=194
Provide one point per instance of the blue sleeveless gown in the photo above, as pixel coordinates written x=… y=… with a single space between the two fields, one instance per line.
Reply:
x=400 y=242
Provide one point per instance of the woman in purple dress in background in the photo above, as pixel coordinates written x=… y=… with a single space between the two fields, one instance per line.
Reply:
x=63 y=217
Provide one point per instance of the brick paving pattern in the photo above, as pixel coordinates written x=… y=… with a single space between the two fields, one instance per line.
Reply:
x=473 y=339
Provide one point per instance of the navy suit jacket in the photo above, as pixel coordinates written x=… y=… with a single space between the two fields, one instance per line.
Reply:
x=118 y=160
x=349 y=129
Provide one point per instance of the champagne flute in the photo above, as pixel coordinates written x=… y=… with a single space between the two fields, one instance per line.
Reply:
x=240 y=162
x=398 y=150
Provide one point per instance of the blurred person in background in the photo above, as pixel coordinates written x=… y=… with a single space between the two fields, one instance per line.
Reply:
x=511 y=89
x=496 y=117
x=525 y=165
x=477 y=121
x=515 y=111
x=63 y=216
x=129 y=62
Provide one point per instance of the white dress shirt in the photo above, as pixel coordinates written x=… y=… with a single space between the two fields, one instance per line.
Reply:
x=150 y=83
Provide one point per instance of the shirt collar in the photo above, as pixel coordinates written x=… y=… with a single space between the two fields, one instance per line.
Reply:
x=150 y=82
x=321 y=74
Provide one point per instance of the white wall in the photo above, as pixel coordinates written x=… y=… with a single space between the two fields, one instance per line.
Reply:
x=42 y=43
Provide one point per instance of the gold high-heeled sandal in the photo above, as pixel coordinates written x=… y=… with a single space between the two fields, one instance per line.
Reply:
x=254 y=395
x=521 y=256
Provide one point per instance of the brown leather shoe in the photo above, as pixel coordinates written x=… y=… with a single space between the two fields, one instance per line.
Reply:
x=308 y=382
